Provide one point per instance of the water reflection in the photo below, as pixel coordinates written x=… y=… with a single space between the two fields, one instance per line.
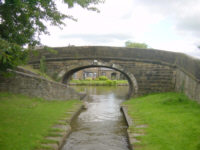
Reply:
x=101 y=126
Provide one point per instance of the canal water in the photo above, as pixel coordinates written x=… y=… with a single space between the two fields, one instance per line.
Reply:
x=101 y=126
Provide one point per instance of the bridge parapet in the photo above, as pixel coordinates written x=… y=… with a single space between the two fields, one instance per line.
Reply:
x=184 y=62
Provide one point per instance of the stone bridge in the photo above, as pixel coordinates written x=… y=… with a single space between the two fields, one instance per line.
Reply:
x=147 y=70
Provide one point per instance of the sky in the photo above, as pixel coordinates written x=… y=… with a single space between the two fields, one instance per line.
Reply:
x=172 y=25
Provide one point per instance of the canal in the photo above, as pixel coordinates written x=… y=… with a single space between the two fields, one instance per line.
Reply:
x=101 y=126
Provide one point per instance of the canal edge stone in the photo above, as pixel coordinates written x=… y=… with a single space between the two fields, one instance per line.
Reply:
x=127 y=117
x=57 y=140
x=132 y=137
x=129 y=122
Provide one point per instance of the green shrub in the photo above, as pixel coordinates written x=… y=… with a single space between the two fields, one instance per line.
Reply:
x=114 y=82
x=43 y=68
x=11 y=55
x=88 y=79
x=103 y=78
x=109 y=82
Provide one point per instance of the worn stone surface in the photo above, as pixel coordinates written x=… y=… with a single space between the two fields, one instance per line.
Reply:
x=134 y=140
x=127 y=117
x=141 y=126
x=62 y=127
x=190 y=86
x=138 y=134
x=52 y=146
x=35 y=86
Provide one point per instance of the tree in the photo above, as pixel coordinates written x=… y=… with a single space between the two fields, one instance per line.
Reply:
x=23 y=21
x=11 y=55
x=135 y=45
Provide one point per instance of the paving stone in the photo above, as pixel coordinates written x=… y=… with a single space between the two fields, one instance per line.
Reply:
x=137 y=134
x=134 y=140
x=62 y=127
x=142 y=126
x=53 y=146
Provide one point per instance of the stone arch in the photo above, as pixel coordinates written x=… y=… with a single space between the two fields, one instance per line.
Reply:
x=70 y=70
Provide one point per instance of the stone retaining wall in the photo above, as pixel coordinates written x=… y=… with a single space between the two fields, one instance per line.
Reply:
x=35 y=86
x=188 y=85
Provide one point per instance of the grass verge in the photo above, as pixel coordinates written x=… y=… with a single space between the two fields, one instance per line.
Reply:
x=99 y=82
x=24 y=121
x=173 y=122
x=37 y=71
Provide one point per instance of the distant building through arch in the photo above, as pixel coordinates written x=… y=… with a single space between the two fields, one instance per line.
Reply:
x=96 y=72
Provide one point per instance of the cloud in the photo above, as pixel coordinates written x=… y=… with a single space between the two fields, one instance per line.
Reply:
x=185 y=14
x=190 y=24
x=98 y=38
x=163 y=24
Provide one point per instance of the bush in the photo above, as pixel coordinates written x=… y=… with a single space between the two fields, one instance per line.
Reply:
x=88 y=79
x=109 y=82
x=103 y=78
x=114 y=82
x=43 y=68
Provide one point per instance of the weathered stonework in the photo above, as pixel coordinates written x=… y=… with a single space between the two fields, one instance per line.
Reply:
x=37 y=87
x=187 y=84
x=147 y=70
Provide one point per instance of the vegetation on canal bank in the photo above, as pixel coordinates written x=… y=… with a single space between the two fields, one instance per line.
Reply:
x=37 y=71
x=172 y=122
x=99 y=82
x=24 y=121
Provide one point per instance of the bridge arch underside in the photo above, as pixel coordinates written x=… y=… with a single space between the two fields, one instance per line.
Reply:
x=133 y=87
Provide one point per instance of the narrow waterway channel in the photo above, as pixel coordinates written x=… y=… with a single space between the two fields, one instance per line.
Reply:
x=101 y=126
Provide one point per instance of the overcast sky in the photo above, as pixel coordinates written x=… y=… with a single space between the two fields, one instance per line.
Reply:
x=172 y=25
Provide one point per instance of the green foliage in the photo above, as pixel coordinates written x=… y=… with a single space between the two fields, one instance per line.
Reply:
x=24 y=121
x=22 y=22
x=135 y=45
x=88 y=79
x=11 y=55
x=109 y=82
x=51 y=50
x=102 y=78
x=114 y=82
x=43 y=67
x=172 y=121
x=38 y=72
x=99 y=82
x=56 y=78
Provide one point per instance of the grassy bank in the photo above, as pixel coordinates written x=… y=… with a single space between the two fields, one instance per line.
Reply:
x=172 y=122
x=37 y=71
x=24 y=121
x=99 y=82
